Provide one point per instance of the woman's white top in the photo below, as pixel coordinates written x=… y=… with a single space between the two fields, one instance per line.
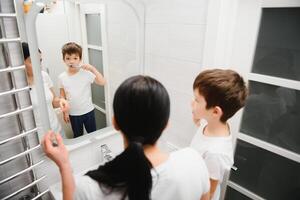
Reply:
x=78 y=91
x=54 y=123
x=183 y=176
x=217 y=153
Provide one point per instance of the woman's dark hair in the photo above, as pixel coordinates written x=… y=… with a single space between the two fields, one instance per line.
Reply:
x=25 y=49
x=141 y=109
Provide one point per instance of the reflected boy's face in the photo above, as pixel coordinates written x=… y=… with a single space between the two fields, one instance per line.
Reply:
x=72 y=60
x=199 y=109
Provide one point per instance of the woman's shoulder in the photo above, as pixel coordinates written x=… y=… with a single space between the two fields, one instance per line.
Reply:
x=46 y=79
x=45 y=75
x=193 y=171
x=184 y=152
x=88 y=188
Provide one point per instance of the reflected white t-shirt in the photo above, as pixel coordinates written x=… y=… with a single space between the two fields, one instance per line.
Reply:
x=78 y=91
x=183 y=176
x=217 y=153
x=54 y=123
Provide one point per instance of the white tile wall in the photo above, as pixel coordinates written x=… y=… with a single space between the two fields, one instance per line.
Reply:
x=52 y=34
x=173 y=73
x=176 y=11
x=181 y=128
x=175 y=31
x=181 y=41
x=122 y=27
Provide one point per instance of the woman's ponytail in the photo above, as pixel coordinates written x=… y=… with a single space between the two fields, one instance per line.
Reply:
x=139 y=178
x=129 y=173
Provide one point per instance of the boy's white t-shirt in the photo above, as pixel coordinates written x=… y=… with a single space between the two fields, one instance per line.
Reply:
x=54 y=123
x=217 y=153
x=183 y=176
x=78 y=91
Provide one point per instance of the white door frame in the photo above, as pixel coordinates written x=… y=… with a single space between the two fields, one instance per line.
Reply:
x=97 y=8
x=230 y=42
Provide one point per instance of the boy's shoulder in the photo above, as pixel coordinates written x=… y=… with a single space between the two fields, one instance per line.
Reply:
x=214 y=144
x=221 y=148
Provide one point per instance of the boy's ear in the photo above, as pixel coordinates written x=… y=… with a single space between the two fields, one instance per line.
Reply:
x=218 y=111
x=115 y=125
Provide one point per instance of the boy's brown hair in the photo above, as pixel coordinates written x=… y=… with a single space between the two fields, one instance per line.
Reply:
x=71 y=48
x=223 y=88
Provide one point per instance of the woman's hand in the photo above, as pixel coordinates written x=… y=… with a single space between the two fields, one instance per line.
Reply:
x=64 y=105
x=58 y=153
x=66 y=117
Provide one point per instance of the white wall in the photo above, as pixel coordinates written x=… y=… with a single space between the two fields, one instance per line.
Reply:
x=122 y=36
x=175 y=33
x=52 y=34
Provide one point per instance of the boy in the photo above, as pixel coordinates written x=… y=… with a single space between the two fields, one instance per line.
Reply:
x=219 y=94
x=75 y=86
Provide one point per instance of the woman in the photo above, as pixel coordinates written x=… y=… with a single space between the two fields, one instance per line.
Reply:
x=51 y=100
x=142 y=171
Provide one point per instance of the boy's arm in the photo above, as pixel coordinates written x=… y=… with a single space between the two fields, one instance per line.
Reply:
x=99 y=80
x=213 y=187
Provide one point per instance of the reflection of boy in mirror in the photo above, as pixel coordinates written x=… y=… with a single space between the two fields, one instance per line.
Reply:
x=75 y=86
x=52 y=100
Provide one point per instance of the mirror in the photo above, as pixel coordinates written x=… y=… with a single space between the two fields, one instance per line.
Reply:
x=108 y=33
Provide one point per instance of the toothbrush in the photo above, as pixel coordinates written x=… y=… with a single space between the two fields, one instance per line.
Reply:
x=76 y=65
